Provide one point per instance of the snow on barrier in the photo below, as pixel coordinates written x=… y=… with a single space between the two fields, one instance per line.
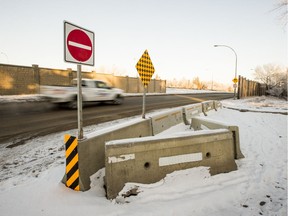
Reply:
x=91 y=150
x=150 y=159
x=197 y=123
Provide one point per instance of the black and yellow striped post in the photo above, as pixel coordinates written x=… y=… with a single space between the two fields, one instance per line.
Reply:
x=72 y=170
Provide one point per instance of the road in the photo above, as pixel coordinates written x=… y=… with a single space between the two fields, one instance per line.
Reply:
x=20 y=122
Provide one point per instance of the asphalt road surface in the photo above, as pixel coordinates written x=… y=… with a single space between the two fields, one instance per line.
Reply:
x=20 y=122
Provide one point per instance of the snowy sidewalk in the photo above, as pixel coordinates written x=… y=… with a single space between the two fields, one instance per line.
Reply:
x=30 y=175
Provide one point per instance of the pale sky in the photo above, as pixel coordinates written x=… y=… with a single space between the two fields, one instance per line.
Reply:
x=178 y=34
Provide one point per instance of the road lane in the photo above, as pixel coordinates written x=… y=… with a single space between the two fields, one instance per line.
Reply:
x=22 y=121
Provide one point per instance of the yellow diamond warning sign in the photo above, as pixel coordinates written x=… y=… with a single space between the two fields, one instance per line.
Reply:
x=145 y=68
x=235 y=80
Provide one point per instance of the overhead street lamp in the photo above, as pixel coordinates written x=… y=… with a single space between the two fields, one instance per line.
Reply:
x=235 y=77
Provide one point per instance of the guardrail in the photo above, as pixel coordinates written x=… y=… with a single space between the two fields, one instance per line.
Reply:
x=148 y=160
x=191 y=110
x=198 y=122
x=165 y=120
x=92 y=150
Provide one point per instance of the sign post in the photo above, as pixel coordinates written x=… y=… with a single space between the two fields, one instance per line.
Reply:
x=144 y=102
x=79 y=49
x=146 y=70
x=235 y=81
x=79 y=103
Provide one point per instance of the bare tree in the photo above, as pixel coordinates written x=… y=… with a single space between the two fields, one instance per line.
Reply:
x=199 y=85
x=281 y=7
x=274 y=76
x=196 y=83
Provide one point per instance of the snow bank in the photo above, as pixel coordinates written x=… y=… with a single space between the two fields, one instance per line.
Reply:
x=30 y=175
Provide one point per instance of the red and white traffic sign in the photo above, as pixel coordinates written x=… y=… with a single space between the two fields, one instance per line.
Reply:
x=78 y=44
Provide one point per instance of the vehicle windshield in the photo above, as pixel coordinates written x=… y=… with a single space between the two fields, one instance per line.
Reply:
x=102 y=85
x=84 y=83
x=92 y=83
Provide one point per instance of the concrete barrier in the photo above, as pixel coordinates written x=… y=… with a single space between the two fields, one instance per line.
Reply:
x=198 y=122
x=165 y=120
x=91 y=151
x=217 y=104
x=148 y=160
x=191 y=110
x=207 y=106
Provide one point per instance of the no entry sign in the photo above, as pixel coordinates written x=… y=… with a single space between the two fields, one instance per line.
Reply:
x=78 y=44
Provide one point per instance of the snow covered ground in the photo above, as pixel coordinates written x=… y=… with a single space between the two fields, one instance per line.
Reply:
x=30 y=174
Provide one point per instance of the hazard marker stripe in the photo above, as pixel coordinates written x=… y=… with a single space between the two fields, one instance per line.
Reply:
x=70 y=157
x=74 y=177
x=72 y=164
x=72 y=168
x=72 y=146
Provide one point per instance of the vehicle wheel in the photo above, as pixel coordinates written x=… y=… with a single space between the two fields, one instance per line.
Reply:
x=118 y=100
x=72 y=104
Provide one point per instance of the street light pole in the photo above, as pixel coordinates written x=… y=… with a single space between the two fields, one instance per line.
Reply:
x=235 y=86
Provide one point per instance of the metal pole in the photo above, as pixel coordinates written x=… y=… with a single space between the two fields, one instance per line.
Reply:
x=144 y=102
x=235 y=86
x=235 y=76
x=79 y=103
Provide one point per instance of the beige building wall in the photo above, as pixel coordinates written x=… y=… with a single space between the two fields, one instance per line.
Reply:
x=17 y=80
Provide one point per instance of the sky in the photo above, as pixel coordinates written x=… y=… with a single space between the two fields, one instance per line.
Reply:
x=179 y=35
